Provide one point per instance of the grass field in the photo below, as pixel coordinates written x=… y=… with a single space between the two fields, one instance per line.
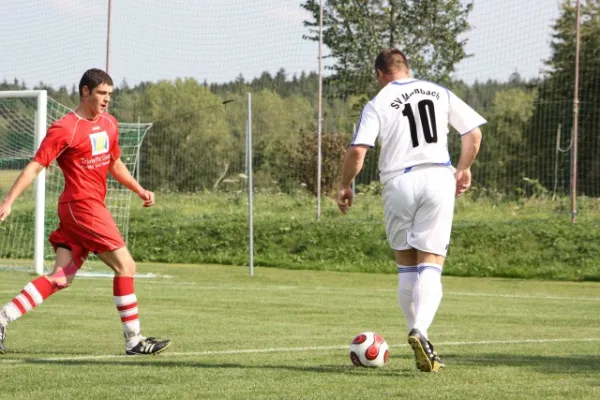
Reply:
x=283 y=334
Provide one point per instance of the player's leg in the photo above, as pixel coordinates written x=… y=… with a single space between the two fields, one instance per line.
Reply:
x=38 y=290
x=427 y=296
x=430 y=236
x=406 y=261
x=428 y=290
x=65 y=268
x=91 y=225
x=399 y=206
x=121 y=262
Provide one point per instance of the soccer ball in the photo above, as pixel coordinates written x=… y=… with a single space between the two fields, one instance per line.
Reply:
x=369 y=349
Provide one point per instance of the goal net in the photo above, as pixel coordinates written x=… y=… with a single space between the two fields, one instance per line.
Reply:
x=20 y=135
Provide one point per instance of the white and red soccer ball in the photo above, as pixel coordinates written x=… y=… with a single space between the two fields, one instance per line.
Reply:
x=369 y=349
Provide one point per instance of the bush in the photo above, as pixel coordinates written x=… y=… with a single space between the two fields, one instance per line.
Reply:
x=546 y=249
x=526 y=239
x=303 y=156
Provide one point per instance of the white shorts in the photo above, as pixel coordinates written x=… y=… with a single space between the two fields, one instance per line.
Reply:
x=418 y=207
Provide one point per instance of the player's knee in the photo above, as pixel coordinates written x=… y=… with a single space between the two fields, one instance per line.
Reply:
x=129 y=270
x=132 y=268
x=126 y=268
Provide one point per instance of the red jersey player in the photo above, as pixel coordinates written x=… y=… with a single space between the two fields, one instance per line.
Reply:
x=85 y=143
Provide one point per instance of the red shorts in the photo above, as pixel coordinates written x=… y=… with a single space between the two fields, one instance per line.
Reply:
x=85 y=226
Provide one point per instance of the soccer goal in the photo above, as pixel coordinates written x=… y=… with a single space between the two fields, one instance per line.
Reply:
x=24 y=117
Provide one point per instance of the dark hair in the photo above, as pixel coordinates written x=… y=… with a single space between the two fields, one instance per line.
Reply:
x=390 y=60
x=92 y=78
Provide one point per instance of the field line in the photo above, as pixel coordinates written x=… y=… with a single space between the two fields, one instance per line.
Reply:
x=279 y=288
x=284 y=350
x=165 y=280
x=354 y=290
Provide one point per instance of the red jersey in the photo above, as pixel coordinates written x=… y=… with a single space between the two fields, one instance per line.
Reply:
x=84 y=150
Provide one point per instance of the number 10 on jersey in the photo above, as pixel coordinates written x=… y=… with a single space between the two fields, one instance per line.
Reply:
x=427 y=119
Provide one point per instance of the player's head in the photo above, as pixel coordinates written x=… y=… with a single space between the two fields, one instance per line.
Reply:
x=391 y=64
x=95 y=89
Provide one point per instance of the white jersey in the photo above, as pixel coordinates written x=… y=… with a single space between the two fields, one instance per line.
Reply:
x=410 y=117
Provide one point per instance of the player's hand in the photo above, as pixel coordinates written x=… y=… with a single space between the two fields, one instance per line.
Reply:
x=5 y=210
x=344 y=199
x=463 y=181
x=147 y=197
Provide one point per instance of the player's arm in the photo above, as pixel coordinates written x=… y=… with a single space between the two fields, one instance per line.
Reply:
x=469 y=149
x=353 y=163
x=24 y=179
x=471 y=141
x=120 y=172
x=467 y=122
x=364 y=138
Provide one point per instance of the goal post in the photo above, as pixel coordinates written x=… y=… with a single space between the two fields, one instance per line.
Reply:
x=41 y=99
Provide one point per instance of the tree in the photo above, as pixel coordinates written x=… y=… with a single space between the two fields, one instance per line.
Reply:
x=554 y=110
x=355 y=31
x=189 y=147
x=298 y=166
x=278 y=122
x=503 y=149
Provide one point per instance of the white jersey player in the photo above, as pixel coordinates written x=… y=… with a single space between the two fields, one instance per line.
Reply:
x=410 y=118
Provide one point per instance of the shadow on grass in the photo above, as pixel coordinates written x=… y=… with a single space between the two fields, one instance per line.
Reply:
x=591 y=278
x=22 y=355
x=546 y=364
x=165 y=363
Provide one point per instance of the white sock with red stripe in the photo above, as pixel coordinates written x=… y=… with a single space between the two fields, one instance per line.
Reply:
x=32 y=295
x=126 y=302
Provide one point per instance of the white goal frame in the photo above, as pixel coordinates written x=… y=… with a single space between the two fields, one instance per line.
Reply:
x=41 y=97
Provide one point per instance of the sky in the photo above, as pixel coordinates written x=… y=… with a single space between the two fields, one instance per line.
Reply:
x=54 y=41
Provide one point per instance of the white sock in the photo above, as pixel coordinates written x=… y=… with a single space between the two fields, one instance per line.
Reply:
x=128 y=311
x=407 y=276
x=427 y=295
x=4 y=318
x=9 y=313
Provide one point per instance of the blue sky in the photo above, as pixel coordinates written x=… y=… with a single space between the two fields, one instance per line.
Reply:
x=54 y=41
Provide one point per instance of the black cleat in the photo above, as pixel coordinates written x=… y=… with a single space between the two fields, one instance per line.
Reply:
x=2 y=337
x=436 y=357
x=424 y=357
x=149 y=346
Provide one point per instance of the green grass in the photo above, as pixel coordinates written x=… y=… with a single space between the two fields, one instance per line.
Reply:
x=367 y=208
x=7 y=178
x=501 y=339
x=490 y=238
